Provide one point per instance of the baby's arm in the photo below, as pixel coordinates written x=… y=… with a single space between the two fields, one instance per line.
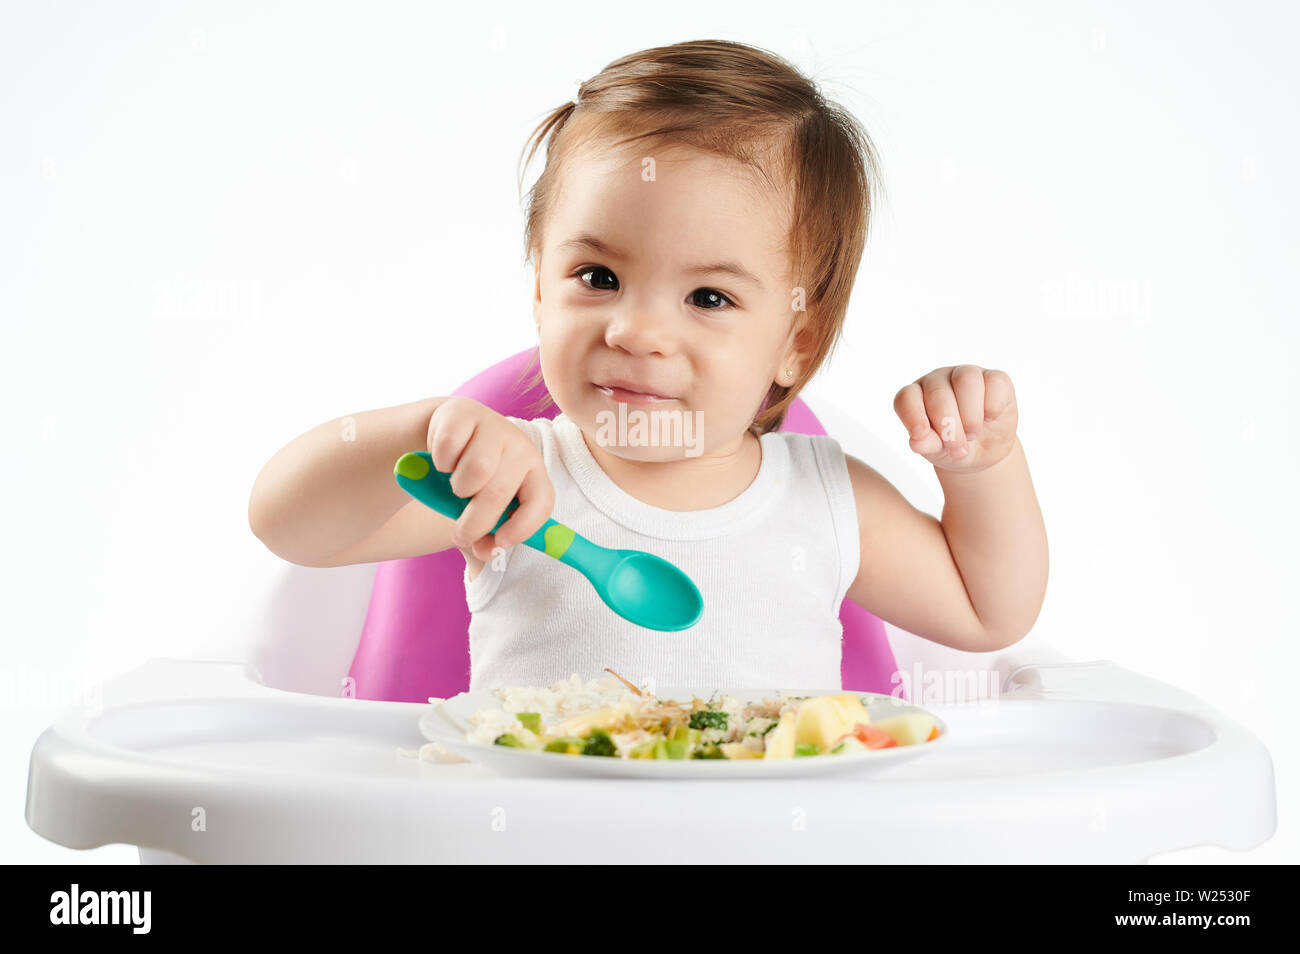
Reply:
x=976 y=579
x=328 y=498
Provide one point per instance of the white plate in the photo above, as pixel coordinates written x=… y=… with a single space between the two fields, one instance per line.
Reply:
x=448 y=723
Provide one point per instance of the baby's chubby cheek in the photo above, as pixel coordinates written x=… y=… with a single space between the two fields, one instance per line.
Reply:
x=734 y=402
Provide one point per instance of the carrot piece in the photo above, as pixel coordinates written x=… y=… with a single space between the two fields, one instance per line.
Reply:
x=872 y=737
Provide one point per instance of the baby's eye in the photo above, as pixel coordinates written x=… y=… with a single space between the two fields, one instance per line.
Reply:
x=710 y=294
x=707 y=298
x=582 y=273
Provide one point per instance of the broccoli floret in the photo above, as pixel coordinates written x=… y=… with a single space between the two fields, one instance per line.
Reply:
x=708 y=752
x=599 y=743
x=709 y=719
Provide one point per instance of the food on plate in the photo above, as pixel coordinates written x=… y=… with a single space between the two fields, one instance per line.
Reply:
x=610 y=717
x=908 y=728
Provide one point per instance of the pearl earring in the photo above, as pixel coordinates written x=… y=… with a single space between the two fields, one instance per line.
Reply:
x=789 y=373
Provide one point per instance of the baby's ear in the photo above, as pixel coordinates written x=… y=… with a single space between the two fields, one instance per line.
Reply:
x=804 y=334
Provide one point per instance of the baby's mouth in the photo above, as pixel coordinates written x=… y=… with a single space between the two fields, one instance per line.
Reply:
x=626 y=396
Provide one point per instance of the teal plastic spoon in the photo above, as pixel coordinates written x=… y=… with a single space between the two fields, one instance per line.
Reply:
x=638 y=586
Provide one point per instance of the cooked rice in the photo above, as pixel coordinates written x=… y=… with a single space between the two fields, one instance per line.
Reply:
x=569 y=699
x=565 y=698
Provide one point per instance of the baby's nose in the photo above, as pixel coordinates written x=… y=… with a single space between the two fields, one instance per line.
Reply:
x=641 y=331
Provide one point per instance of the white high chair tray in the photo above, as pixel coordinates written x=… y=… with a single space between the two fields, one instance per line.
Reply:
x=199 y=761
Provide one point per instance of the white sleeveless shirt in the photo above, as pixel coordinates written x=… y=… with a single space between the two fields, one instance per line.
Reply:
x=773 y=566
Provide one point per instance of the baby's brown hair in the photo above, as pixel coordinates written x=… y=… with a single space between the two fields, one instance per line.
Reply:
x=750 y=105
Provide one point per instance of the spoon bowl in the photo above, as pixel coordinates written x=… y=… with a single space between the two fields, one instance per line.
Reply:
x=652 y=588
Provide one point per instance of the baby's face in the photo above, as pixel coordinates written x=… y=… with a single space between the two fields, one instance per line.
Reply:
x=678 y=283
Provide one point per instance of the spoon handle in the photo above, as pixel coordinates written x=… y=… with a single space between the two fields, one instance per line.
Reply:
x=638 y=586
x=416 y=475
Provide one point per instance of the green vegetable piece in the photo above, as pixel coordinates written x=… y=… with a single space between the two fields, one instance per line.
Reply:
x=708 y=752
x=709 y=719
x=532 y=721
x=671 y=749
x=685 y=734
x=807 y=748
x=505 y=738
x=568 y=744
x=599 y=743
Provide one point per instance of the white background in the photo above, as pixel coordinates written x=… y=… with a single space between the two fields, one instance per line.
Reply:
x=224 y=223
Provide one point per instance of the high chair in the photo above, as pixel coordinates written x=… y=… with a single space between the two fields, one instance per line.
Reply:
x=289 y=753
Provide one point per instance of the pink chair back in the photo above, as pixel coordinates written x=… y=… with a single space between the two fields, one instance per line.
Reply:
x=415 y=640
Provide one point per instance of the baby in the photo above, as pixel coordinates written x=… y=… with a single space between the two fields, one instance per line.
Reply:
x=695 y=236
